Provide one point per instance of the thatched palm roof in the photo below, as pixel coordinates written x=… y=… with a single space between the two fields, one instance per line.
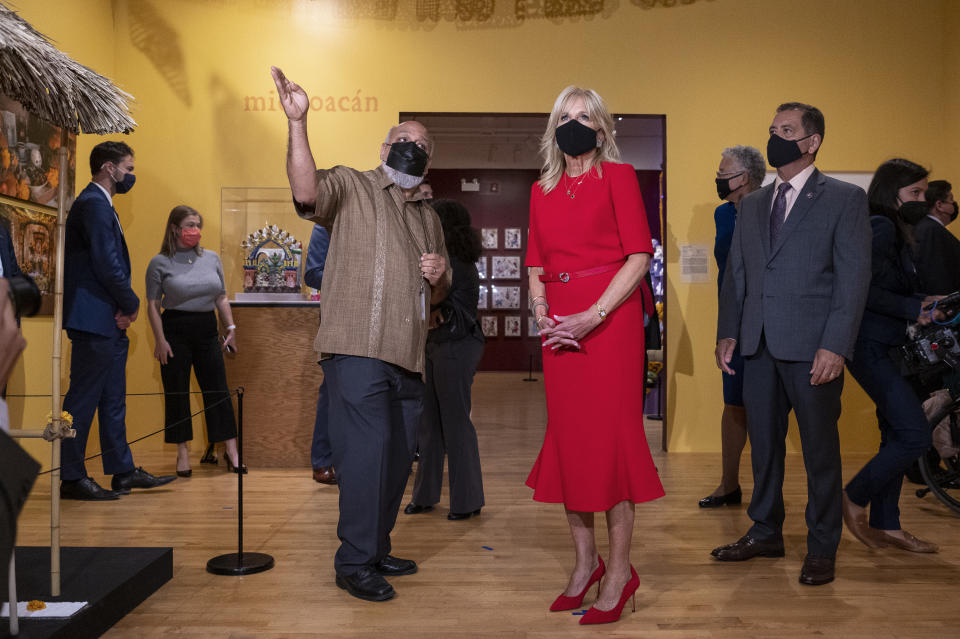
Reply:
x=54 y=87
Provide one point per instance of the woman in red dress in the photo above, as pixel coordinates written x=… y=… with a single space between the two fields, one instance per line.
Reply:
x=589 y=249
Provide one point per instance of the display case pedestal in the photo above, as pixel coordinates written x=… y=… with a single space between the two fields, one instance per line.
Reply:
x=277 y=366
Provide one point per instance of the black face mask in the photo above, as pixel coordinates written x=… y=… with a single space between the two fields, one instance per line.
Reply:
x=408 y=158
x=575 y=139
x=781 y=152
x=953 y=215
x=723 y=186
x=914 y=211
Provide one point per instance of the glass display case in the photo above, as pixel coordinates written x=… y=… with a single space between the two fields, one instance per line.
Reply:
x=263 y=246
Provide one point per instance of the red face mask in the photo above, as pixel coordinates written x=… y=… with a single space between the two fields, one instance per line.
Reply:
x=190 y=236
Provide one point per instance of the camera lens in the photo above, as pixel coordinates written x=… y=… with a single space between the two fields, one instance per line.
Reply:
x=24 y=295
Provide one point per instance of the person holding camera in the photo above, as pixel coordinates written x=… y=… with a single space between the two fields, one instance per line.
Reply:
x=187 y=282
x=98 y=307
x=893 y=303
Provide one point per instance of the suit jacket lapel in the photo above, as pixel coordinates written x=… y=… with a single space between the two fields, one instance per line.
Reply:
x=801 y=207
x=764 y=218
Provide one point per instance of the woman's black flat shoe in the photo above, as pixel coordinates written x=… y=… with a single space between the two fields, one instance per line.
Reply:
x=209 y=457
x=416 y=509
x=185 y=473
x=460 y=516
x=730 y=499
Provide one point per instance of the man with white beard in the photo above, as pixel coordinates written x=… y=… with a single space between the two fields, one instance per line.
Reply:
x=387 y=264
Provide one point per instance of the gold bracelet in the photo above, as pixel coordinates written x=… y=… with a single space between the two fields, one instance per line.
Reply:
x=602 y=312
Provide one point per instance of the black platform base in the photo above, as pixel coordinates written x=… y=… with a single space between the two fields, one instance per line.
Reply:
x=113 y=581
x=236 y=564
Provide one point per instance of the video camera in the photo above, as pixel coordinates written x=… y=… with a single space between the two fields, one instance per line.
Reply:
x=933 y=349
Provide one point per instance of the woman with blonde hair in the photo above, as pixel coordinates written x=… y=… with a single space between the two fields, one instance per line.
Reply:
x=589 y=249
x=187 y=282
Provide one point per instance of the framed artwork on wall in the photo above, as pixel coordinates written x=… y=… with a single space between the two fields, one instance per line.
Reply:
x=507 y=297
x=505 y=267
x=512 y=239
x=33 y=231
x=29 y=163
x=532 y=330
x=488 y=238
x=482 y=300
x=489 y=325
x=482 y=267
x=511 y=326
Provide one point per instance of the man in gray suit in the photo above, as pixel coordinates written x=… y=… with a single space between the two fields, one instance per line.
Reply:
x=794 y=290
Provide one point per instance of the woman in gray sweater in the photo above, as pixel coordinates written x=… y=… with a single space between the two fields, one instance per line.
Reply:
x=187 y=283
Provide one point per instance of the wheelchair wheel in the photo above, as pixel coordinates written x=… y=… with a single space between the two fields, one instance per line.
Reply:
x=942 y=475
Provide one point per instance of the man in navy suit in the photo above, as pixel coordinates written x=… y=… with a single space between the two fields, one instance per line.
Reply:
x=321 y=455
x=98 y=306
x=795 y=287
x=938 y=250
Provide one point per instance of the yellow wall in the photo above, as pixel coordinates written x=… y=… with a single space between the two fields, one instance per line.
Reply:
x=716 y=68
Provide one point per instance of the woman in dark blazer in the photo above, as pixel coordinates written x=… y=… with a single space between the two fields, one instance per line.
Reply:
x=894 y=302
x=454 y=348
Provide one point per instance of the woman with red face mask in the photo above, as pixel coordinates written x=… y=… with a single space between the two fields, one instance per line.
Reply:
x=187 y=283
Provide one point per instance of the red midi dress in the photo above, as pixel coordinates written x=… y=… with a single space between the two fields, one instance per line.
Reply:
x=594 y=452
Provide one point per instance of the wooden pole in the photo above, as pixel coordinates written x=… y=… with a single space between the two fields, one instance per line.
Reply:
x=55 y=402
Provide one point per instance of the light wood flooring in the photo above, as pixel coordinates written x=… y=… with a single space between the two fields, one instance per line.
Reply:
x=494 y=576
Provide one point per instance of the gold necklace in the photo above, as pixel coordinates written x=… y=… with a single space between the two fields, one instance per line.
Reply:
x=572 y=190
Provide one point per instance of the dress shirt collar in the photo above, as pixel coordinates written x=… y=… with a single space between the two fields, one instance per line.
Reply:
x=937 y=220
x=105 y=192
x=797 y=181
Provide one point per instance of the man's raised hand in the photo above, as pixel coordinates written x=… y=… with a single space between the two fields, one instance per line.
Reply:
x=294 y=99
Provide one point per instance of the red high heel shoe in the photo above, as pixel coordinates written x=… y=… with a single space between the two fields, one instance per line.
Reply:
x=608 y=616
x=569 y=603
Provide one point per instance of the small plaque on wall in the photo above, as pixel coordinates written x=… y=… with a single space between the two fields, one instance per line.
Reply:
x=489 y=325
x=489 y=238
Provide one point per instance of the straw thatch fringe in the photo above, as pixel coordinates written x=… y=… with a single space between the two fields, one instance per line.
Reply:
x=54 y=87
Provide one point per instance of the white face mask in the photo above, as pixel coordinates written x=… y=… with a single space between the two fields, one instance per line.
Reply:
x=402 y=180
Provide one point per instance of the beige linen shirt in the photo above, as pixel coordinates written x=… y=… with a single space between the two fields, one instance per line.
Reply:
x=371 y=296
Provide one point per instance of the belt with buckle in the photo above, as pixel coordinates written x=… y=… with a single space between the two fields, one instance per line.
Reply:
x=572 y=275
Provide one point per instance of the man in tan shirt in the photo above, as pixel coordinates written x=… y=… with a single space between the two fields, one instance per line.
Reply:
x=386 y=265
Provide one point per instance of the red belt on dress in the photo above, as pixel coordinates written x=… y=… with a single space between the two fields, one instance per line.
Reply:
x=567 y=276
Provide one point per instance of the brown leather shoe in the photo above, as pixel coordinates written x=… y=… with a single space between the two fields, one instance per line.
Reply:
x=747 y=548
x=817 y=571
x=856 y=521
x=325 y=475
x=909 y=542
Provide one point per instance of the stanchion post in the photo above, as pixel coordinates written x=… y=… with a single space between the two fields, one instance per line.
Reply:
x=530 y=377
x=240 y=563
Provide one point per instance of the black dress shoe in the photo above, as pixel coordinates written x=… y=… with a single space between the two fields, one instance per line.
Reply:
x=185 y=473
x=391 y=566
x=816 y=571
x=730 y=499
x=138 y=478
x=85 y=490
x=414 y=509
x=452 y=516
x=747 y=548
x=367 y=584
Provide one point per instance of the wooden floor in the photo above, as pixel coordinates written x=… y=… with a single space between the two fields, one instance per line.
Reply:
x=495 y=575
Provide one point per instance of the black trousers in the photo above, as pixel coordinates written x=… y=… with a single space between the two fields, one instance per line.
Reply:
x=193 y=338
x=374 y=412
x=904 y=433
x=771 y=388
x=445 y=427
